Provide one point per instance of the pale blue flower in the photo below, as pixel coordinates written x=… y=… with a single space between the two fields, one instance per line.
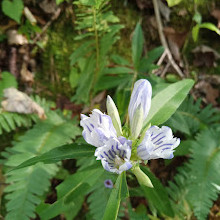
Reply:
x=115 y=155
x=97 y=128
x=114 y=150
x=108 y=183
x=158 y=143
x=140 y=98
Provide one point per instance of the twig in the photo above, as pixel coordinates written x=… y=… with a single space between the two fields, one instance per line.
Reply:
x=54 y=17
x=165 y=70
x=160 y=61
x=163 y=39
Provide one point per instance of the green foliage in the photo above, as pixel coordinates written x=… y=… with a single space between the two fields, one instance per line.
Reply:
x=157 y=196
x=172 y=3
x=70 y=151
x=165 y=103
x=71 y=192
x=13 y=9
x=99 y=196
x=196 y=183
x=189 y=117
x=10 y=121
x=96 y=20
x=27 y=185
x=118 y=193
x=205 y=172
x=207 y=25
x=137 y=45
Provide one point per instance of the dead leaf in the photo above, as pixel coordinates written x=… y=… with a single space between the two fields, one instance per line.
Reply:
x=16 y=101
x=29 y=15
x=211 y=94
x=15 y=38
x=175 y=41
x=48 y=6
x=205 y=56
x=216 y=14
x=26 y=75
x=164 y=10
x=96 y=100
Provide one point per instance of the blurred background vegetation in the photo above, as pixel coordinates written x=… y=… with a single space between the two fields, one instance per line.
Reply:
x=67 y=56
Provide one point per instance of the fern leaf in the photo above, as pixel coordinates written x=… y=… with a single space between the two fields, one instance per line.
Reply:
x=195 y=184
x=189 y=118
x=28 y=184
x=205 y=172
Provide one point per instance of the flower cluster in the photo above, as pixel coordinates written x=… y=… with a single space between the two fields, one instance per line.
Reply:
x=113 y=149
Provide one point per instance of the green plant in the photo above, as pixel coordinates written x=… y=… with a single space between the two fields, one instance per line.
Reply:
x=26 y=186
x=13 y=9
x=197 y=181
x=96 y=25
x=190 y=118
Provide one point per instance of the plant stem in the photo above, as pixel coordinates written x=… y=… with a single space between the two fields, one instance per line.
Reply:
x=97 y=51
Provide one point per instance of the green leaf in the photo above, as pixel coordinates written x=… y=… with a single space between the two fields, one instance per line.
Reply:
x=184 y=148
x=119 y=192
x=70 y=151
x=73 y=77
x=137 y=45
x=72 y=190
x=165 y=103
x=118 y=70
x=157 y=196
x=197 y=18
x=207 y=25
x=108 y=82
x=13 y=9
x=120 y=60
x=172 y=3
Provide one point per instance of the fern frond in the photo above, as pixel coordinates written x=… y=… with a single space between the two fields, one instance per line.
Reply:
x=26 y=185
x=9 y=121
x=98 y=30
x=195 y=184
x=205 y=172
x=189 y=118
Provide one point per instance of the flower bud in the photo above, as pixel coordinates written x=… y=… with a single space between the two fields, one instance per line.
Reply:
x=137 y=122
x=113 y=113
x=141 y=95
x=142 y=178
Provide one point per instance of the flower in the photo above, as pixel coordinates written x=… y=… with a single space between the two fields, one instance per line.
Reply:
x=97 y=128
x=108 y=183
x=120 y=153
x=157 y=143
x=115 y=155
x=140 y=99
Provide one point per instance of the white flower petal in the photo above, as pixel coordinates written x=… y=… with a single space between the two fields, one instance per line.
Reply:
x=158 y=143
x=97 y=128
x=141 y=95
x=115 y=157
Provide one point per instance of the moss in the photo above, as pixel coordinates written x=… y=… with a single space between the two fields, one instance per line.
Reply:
x=129 y=15
x=55 y=57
